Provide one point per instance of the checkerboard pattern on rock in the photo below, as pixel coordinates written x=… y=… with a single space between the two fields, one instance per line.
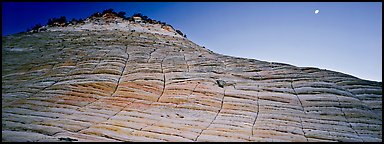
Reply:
x=111 y=85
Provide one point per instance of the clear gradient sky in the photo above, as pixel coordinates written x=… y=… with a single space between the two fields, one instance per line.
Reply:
x=344 y=37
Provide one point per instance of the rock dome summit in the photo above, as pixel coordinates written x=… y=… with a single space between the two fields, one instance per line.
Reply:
x=112 y=78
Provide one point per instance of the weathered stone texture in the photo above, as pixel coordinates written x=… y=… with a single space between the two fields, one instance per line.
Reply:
x=134 y=86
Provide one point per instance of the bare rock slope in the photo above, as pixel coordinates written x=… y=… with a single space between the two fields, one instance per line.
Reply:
x=104 y=83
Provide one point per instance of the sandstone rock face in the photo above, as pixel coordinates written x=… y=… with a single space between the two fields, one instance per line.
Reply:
x=111 y=85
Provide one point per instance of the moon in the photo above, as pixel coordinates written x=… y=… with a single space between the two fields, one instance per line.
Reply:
x=317 y=11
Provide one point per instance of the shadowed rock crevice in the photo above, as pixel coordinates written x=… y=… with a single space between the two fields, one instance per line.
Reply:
x=122 y=72
x=346 y=119
x=257 y=114
x=221 y=107
x=302 y=108
x=164 y=81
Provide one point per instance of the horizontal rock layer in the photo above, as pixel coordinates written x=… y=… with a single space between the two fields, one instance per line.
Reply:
x=133 y=86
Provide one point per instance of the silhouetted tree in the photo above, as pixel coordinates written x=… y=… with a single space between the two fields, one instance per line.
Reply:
x=34 y=28
x=145 y=18
x=57 y=21
x=96 y=14
x=80 y=20
x=37 y=26
x=179 y=32
x=121 y=14
x=73 y=21
x=137 y=15
x=50 y=22
x=109 y=11
x=163 y=23
x=130 y=18
x=62 y=20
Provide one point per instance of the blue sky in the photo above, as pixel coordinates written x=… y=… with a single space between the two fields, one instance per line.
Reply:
x=344 y=37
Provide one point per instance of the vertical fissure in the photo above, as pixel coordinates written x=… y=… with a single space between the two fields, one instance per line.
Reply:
x=302 y=108
x=118 y=81
x=122 y=72
x=258 y=111
x=100 y=60
x=162 y=70
x=150 y=55
x=193 y=90
x=349 y=124
x=221 y=107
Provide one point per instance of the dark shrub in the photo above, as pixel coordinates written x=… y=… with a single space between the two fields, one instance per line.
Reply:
x=34 y=28
x=62 y=20
x=96 y=14
x=73 y=21
x=57 y=21
x=108 y=11
x=130 y=18
x=50 y=21
x=145 y=18
x=121 y=14
x=179 y=32
x=80 y=20
x=137 y=15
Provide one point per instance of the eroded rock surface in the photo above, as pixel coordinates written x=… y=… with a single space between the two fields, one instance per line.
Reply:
x=111 y=85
